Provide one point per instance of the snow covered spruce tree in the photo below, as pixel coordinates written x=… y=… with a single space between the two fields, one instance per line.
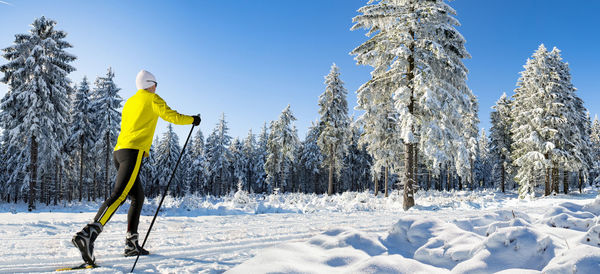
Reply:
x=470 y=134
x=239 y=164
x=249 y=151
x=549 y=123
x=167 y=153
x=218 y=155
x=149 y=172
x=416 y=53
x=152 y=171
x=294 y=163
x=501 y=141
x=311 y=159
x=357 y=161
x=184 y=170
x=6 y=190
x=482 y=167
x=595 y=149
x=106 y=103
x=381 y=134
x=334 y=132
x=199 y=168
x=575 y=139
x=281 y=147
x=81 y=141
x=584 y=148
x=35 y=108
x=536 y=122
x=261 y=157
x=12 y=181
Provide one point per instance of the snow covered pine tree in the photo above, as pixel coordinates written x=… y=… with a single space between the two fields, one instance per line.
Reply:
x=549 y=124
x=416 y=54
x=35 y=108
x=82 y=132
x=106 y=103
x=218 y=156
x=167 y=153
x=501 y=141
x=281 y=146
x=335 y=129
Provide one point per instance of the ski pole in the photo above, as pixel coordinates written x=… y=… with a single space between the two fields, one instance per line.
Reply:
x=164 y=195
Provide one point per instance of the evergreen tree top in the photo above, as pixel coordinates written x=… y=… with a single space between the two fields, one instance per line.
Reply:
x=595 y=132
x=333 y=104
x=44 y=46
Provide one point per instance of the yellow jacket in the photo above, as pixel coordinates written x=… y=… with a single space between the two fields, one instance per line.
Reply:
x=138 y=122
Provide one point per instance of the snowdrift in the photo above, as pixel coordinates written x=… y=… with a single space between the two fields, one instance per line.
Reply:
x=565 y=239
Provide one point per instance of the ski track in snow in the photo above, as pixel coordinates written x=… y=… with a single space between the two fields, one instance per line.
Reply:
x=188 y=237
x=206 y=244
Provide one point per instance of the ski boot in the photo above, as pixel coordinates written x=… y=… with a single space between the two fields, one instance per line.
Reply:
x=84 y=241
x=132 y=247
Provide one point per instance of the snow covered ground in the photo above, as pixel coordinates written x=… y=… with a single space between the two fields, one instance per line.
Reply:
x=460 y=232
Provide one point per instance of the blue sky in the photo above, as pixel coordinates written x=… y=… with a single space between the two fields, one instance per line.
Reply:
x=250 y=59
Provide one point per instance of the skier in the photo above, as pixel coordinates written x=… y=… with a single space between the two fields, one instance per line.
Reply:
x=140 y=114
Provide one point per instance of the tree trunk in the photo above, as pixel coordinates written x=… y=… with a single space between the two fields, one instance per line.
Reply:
x=331 y=163
x=49 y=184
x=439 y=181
x=386 y=179
x=448 y=177
x=460 y=185
x=472 y=177
x=547 y=182
x=502 y=178
x=95 y=182
x=282 y=176
x=106 y=165
x=555 y=178
x=353 y=181
x=32 y=172
x=42 y=188
x=376 y=181
x=316 y=182
x=409 y=200
x=428 y=179
x=56 y=183
x=62 y=185
x=566 y=181
x=416 y=164
x=213 y=190
x=248 y=179
x=81 y=169
x=580 y=181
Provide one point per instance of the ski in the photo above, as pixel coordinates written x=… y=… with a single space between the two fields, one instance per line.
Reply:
x=82 y=266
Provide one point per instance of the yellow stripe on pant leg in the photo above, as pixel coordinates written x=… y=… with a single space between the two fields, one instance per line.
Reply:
x=113 y=207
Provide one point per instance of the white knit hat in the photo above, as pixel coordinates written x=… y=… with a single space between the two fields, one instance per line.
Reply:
x=144 y=80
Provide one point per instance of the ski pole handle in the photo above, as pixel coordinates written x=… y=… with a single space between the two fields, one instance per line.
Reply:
x=197 y=120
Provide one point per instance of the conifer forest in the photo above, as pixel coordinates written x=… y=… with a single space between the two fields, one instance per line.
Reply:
x=418 y=127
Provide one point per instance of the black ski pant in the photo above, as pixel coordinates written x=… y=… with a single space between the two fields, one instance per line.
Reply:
x=128 y=163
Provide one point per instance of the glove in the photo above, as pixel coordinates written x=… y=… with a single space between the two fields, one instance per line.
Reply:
x=196 y=120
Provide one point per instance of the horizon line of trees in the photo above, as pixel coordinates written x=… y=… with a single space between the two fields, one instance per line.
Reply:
x=418 y=130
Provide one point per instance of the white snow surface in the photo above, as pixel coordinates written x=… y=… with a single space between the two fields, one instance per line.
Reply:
x=458 y=232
